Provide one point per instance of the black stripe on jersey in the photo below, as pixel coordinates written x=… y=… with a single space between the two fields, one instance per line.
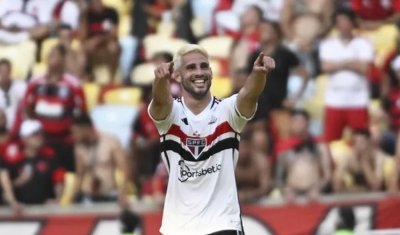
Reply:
x=166 y=157
x=229 y=143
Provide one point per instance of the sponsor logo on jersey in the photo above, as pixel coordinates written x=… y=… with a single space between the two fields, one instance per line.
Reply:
x=212 y=120
x=186 y=173
x=196 y=146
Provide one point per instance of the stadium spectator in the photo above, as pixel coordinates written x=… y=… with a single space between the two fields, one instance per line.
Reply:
x=99 y=35
x=274 y=101
x=304 y=166
x=30 y=173
x=305 y=19
x=11 y=92
x=98 y=157
x=65 y=12
x=252 y=172
x=75 y=60
x=364 y=166
x=54 y=99
x=346 y=59
x=247 y=40
x=374 y=13
x=23 y=20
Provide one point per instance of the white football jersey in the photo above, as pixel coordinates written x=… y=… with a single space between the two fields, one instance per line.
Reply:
x=200 y=153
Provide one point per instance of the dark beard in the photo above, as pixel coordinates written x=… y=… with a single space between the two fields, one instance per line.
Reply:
x=197 y=96
x=3 y=130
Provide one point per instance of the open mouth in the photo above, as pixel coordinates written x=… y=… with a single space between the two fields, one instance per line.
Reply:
x=200 y=83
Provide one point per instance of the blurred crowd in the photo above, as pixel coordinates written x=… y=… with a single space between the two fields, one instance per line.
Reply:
x=75 y=83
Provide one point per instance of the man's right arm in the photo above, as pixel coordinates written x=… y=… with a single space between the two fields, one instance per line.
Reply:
x=161 y=105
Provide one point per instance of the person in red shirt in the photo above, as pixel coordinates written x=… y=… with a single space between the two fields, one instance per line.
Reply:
x=54 y=99
x=373 y=13
x=29 y=171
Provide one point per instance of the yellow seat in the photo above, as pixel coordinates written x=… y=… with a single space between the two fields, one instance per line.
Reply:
x=218 y=47
x=155 y=43
x=92 y=91
x=221 y=87
x=315 y=105
x=124 y=27
x=49 y=44
x=121 y=6
x=39 y=69
x=166 y=29
x=143 y=74
x=123 y=96
x=69 y=187
x=101 y=75
x=197 y=26
x=216 y=67
x=22 y=57
x=389 y=167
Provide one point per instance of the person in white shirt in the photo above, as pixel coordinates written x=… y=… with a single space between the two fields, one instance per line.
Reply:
x=11 y=92
x=24 y=20
x=199 y=142
x=346 y=59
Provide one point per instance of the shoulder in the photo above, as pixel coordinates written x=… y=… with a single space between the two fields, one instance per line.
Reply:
x=36 y=80
x=363 y=41
x=71 y=80
x=13 y=153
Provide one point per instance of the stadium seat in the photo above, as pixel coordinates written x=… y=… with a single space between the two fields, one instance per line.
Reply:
x=116 y=120
x=92 y=91
x=22 y=57
x=123 y=96
x=221 y=87
x=143 y=74
x=197 y=26
x=122 y=7
x=39 y=69
x=389 y=167
x=166 y=29
x=69 y=188
x=49 y=44
x=155 y=43
x=101 y=75
x=124 y=27
x=218 y=46
x=216 y=67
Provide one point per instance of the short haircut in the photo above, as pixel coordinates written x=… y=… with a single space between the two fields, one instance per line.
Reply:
x=83 y=120
x=363 y=132
x=187 y=49
x=64 y=26
x=6 y=62
x=165 y=55
x=258 y=10
x=301 y=112
x=348 y=13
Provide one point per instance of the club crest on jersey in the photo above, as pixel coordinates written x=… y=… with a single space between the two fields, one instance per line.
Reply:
x=196 y=146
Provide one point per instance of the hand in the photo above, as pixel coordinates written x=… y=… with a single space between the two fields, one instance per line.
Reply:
x=123 y=201
x=313 y=195
x=164 y=70
x=17 y=207
x=263 y=64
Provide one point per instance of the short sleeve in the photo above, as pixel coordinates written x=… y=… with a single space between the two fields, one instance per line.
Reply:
x=164 y=125
x=113 y=16
x=366 y=50
x=70 y=14
x=235 y=118
x=325 y=51
x=292 y=59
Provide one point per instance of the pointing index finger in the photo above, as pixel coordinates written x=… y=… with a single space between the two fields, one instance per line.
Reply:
x=260 y=59
x=171 y=67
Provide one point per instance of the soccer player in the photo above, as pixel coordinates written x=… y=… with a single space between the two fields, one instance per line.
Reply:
x=199 y=142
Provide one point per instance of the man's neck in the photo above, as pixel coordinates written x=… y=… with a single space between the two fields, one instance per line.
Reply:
x=5 y=85
x=30 y=152
x=54 y=76
x=346 y=37
x=194 y=105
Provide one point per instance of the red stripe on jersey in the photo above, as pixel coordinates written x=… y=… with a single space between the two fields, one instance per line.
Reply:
x=219 y=130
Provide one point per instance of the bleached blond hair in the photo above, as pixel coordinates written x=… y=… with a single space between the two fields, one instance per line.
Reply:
x=188 y=48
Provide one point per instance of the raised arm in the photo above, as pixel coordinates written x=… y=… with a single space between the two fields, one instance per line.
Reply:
x=162 y=102
x=247 y=98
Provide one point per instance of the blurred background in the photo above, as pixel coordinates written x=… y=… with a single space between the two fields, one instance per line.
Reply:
x=75 y=83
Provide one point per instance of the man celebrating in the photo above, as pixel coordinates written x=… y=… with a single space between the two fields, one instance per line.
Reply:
x=200 y=141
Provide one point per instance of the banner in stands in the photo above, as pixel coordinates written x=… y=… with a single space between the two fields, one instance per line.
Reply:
x=315 y=219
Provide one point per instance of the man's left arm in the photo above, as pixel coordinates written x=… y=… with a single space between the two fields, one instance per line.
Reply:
x=246 y=102
x=121 y=160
